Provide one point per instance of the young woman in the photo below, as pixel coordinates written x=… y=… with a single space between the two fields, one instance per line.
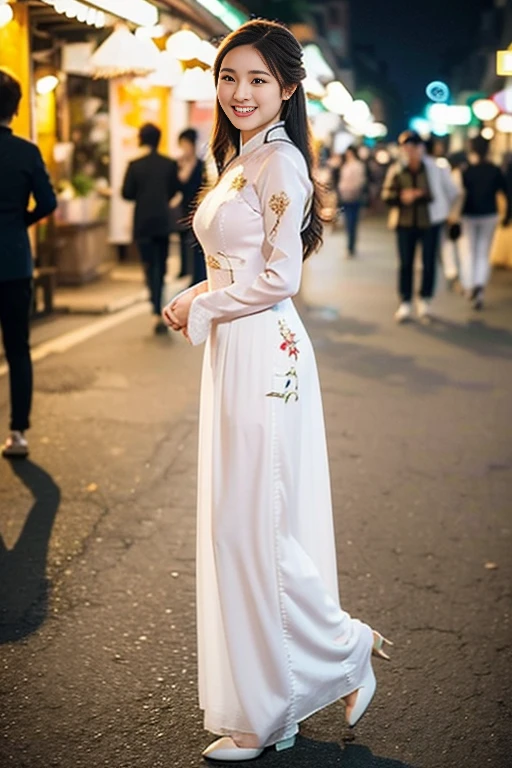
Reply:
x=274 y=644
x=350 y=188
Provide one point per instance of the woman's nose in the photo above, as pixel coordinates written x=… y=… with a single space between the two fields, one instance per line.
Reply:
x=242 y=91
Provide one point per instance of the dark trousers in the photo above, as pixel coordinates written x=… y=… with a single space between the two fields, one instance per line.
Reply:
x=351 y=212
x=15 y=305
x=198 y=261
x=192 y=256
x=153 y=253
x=185 y=266
x=408 y=239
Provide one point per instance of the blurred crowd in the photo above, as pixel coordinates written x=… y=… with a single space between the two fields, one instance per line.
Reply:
x=455 y=207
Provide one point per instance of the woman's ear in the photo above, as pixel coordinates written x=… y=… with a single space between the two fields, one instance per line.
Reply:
x=288 y=92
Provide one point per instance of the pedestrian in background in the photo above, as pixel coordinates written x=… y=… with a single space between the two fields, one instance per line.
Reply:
x=351 y=186
x=22 y=174
x=274 y=643
x=191 y=176
x=482 y=181
x=151 y=182
x=420 y=197
x=451 y=239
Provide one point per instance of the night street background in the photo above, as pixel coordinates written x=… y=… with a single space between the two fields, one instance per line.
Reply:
x=98 y=664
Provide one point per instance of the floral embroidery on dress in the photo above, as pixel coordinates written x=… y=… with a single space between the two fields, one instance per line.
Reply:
x=278 y=204
x=238 y=182
x=222 y=262
x=212 y=262
x=291 y=384
x=290 y=343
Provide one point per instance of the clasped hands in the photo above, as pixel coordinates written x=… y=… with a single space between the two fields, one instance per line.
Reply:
x=175 y=314
x=409 y=196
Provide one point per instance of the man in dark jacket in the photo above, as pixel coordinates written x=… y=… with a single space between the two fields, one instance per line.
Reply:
x=407 y=190
x=152 y=181
x=22 y=174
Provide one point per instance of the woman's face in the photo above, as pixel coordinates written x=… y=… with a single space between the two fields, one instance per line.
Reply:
x=248 y=93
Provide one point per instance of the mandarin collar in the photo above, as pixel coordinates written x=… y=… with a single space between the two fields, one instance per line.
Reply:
x=6 y=128
x=273 y=132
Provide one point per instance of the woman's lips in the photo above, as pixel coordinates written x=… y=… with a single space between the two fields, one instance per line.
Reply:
x=244 y=114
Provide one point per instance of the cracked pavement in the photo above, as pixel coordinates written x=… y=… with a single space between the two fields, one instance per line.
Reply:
x=97 y=605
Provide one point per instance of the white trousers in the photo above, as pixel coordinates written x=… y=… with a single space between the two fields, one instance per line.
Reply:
x=479 y=231
x=450 y=256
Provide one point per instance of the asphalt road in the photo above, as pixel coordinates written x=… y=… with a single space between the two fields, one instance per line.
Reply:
x=97 y=623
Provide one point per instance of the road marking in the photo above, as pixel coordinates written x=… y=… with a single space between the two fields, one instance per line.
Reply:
x=72 y=338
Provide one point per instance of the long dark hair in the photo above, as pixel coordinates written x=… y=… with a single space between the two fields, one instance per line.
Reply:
x=283 y=56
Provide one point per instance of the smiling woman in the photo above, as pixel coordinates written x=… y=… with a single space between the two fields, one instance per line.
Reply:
x=248 y=92
x=267 y=587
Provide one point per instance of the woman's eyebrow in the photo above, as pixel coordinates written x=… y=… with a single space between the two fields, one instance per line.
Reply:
x=251 y=71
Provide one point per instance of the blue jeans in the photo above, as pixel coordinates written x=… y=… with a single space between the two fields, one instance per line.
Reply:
x=351 y=211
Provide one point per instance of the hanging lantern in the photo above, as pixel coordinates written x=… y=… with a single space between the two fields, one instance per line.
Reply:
x=168 y=72
x=184 y=45
x=124 y=54
x=196 y=85
x=6 y=14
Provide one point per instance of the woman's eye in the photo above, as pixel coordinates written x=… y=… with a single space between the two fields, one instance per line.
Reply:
x=259 y=81
x=228 y=78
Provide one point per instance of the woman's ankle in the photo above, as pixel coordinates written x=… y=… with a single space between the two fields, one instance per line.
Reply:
x=246 y=740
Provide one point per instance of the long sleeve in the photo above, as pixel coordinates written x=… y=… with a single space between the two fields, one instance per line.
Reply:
x=458 y=203
x=390 y=189
x=42 y=190
x=129 y=189
x=283 y=188
x=174 y=183
x=451 y=189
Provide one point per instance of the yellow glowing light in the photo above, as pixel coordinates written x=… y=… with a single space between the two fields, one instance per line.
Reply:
x=383 y=157
x=504 y=63
x=504 y=123
x=358 y=113
x=6 y=15
x=484 y=109
x=375 y=130
x=154 y=32
x=46 y=84
x=337 y=99
x=487 y=133
x=139 y=12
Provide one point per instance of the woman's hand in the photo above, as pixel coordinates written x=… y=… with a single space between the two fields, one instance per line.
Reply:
x=170 y=318
x=175 y=314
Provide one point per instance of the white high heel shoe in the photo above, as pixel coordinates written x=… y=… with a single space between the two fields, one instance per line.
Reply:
x=365 y=694
x=226 y=749
x=366 y=691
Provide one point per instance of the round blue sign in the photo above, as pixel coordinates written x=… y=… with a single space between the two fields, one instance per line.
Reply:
x=437 y=91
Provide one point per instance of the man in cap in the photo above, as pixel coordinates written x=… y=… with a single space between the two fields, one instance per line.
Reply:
x=419 y=194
